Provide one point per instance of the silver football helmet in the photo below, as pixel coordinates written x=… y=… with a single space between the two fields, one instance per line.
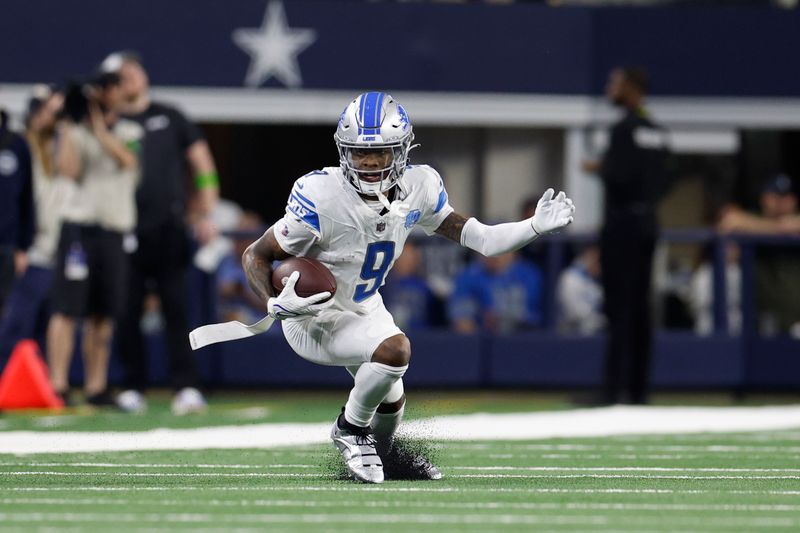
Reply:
x=374 y=137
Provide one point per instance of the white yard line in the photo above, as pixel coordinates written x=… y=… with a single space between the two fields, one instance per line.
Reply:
x=404 y=518
x=372 y=488
x=544 y=506
x=488 y=468
x=617 y=420
x=164 y=474
x=613 y=476
x=163 y=465
x=711 y=448
x=614 y=469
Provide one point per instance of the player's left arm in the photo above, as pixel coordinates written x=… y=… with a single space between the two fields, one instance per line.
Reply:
x=552 y=214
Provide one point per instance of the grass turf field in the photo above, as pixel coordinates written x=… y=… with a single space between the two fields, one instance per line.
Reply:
x=693 y=482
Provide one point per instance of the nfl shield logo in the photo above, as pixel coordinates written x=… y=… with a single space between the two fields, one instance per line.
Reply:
x=381 y=226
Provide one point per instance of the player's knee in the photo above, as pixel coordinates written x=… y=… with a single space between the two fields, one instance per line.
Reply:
x=394 y=351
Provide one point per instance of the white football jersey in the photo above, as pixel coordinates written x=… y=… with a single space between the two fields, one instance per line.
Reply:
x=327 y=220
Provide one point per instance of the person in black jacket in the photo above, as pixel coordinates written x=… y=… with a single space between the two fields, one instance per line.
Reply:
x=633 y=172
x=172 y=147
x=16 y=206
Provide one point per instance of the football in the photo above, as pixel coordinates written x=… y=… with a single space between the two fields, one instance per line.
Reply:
x=314 y=277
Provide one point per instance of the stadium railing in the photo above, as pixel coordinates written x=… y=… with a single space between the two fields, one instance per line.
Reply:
x=544 y=358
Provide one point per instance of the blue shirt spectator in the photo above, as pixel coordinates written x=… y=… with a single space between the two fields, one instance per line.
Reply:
x=406 y=293
x=579 y=295
x=497 y=294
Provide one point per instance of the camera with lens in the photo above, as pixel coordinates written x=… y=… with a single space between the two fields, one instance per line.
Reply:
x=78 y=93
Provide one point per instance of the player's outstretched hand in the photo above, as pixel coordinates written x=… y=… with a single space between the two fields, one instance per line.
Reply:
x=551 y=213
x=288 y=304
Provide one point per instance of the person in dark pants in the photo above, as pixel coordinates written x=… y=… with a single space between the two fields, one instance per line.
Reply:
x=26 y=310
x=633 y=171
x=16 y=206
x=163 y=256
x=97 y=152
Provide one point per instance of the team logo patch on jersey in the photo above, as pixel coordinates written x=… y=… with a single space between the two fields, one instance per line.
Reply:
x=412 y=218
x=158 y=122
x=380 y=227
x=285 y=231
x=8 y=162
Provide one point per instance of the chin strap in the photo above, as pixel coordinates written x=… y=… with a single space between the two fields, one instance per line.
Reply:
x=396 y=208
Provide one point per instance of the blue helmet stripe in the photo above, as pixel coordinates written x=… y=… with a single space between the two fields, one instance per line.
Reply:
x=360 y=117
x=370 y=113
x=378 y=106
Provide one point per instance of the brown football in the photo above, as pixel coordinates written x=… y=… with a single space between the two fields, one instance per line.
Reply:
x=314 y=276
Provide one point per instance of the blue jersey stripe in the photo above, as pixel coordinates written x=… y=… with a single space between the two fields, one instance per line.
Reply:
x=309 y=217
x=303 y=198
x=441 y=202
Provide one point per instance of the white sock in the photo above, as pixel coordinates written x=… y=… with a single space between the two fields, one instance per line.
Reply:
x=373 y=383
x=384 y=425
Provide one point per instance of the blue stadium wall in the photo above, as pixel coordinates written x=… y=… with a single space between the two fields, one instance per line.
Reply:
x=357 y=45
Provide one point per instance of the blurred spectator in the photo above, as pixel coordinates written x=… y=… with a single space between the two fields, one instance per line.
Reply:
x=442 y=260
x=633 y=172
x=496 y=294
x=226 y=217
x=776 y=271
x=26 y=312
x=235 y=299
x=16 y=206
x=171 y=144
x=701 y=293
x=406 y=294
x=579 y=295
x=91 y=265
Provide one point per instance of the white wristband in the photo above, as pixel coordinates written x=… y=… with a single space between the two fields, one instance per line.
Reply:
x=498 y=239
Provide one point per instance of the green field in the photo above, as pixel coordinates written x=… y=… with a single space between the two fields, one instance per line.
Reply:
x=698 y=482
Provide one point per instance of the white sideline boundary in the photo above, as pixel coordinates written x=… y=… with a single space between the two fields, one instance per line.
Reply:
x=598 y=422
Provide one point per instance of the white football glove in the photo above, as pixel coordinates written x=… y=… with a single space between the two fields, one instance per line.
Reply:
x=552 y=213
x=289 y=305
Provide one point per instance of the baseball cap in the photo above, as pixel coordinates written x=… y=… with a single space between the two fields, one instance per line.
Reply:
x=39 y=95
x=779 y=184
x=113 y=61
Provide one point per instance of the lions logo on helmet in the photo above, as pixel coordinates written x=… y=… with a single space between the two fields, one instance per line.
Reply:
x=374 y=137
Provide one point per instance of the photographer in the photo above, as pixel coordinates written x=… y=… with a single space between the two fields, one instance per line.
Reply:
x=97 y=151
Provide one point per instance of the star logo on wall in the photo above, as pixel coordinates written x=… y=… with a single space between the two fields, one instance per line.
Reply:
x=273 y=48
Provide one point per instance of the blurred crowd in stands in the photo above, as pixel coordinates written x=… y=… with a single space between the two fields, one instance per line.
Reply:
x=436 y=284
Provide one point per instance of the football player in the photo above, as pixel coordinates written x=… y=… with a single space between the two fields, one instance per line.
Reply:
x=355 y=218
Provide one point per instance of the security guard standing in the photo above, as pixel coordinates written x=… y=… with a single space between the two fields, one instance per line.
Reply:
x=633 y=171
